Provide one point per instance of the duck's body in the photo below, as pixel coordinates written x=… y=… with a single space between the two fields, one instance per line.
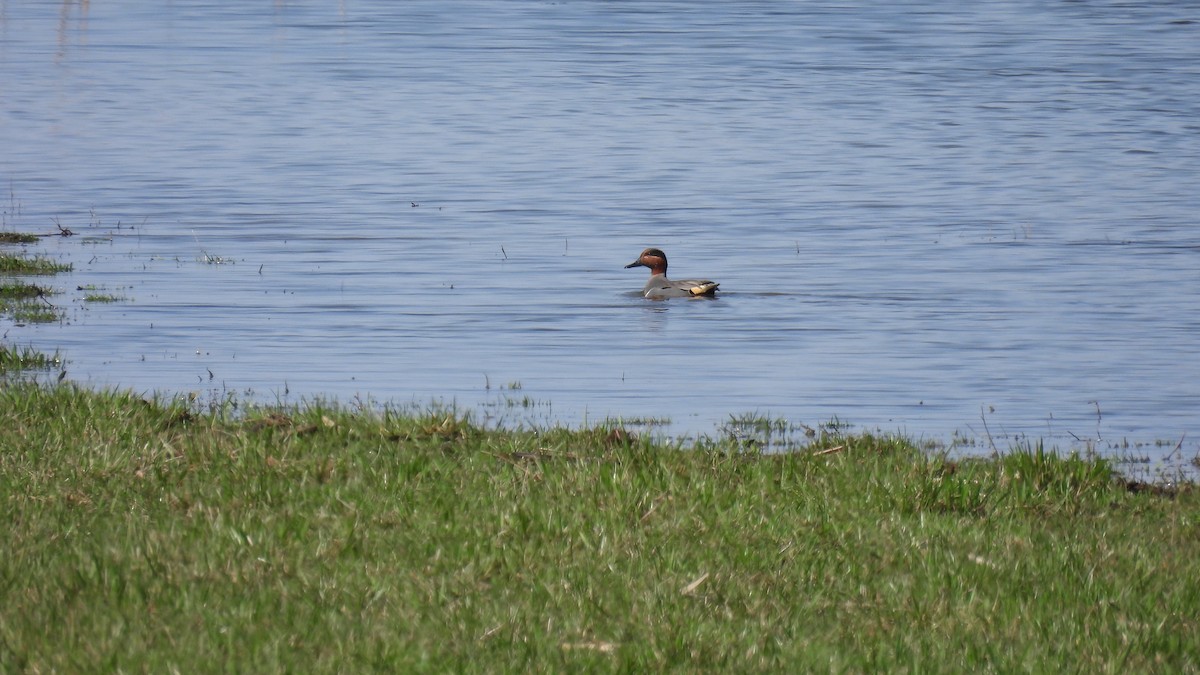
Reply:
x=659 y=287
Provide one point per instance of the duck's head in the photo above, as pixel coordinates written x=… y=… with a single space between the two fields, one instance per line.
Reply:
x=653 y=258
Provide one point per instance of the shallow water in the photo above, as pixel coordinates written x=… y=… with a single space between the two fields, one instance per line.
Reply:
x=972 y=224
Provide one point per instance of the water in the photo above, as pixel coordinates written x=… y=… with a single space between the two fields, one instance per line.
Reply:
x=973 y=224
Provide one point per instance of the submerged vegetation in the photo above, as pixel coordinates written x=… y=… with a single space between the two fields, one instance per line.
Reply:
x=158 y=535
x=17 y=359
x=36 y=264
x=100 y=294
x=17 y=238
x=102 y=298
x=24 y=302
x=21 y=301
x=17 y=290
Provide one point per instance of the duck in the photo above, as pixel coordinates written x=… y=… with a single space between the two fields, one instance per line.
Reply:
x=659 y=287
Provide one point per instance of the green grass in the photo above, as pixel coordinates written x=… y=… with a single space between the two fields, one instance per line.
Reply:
x=99 y=294
x=26 y=303
x=17 y=238
x=154 y=536
x=16 y=290
x=32 y=313
x=23 y=264
x=16 y=359
x=23 y=302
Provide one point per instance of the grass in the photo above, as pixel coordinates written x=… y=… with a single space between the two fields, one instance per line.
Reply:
x=30 y=312
x=17 y=359
x=26 y=303
x=16 y=290
x=160 y=536
x=17 y=238
x=99 y=294
x=23 y=302
x=27 y=265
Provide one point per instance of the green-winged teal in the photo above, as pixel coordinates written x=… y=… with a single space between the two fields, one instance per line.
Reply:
x=659 y=287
